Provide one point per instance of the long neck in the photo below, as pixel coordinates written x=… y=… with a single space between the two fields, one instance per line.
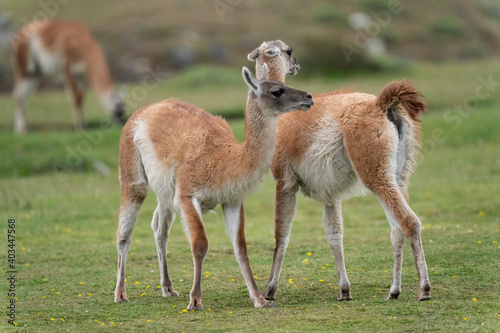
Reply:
x=276 y=68
x=256 y=153
x=99 y=76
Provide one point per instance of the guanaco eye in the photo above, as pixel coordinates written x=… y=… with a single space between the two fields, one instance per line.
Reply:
x=289 y=52
x=278 y=93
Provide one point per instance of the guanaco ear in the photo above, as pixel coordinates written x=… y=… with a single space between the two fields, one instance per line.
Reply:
x=250 y=80
x=272 y=52
x=264 y=72
x=253 y=55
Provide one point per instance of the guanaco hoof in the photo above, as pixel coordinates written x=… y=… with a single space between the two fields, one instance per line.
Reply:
x=122 y=299
x=392 y=296
x=269 y=305
x=195 y=307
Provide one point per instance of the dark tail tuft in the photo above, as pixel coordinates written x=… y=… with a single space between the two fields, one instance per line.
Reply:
x=401 y=92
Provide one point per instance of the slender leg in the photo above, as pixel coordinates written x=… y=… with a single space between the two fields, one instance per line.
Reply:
x=161 y=223
x=77 y=95
x=129 y=210
x=235 y=228
x=285 y=204
x=23 y=88
x=397 y=210
x=398 y=240
x=191 y=214
x=332 y=219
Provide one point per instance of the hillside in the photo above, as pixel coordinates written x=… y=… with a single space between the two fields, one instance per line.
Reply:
x=176 y=34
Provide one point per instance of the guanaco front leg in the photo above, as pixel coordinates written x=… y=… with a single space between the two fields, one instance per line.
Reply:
x=191 y=214
x=285 y=203
x=235 y=228
x=77 y=95
x=334 y=228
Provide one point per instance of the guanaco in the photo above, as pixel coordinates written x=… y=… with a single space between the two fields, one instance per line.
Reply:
x=48 y=48
x=192 y=162
x=348 y=142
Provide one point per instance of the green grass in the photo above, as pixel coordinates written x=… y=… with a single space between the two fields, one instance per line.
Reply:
x=66 y=225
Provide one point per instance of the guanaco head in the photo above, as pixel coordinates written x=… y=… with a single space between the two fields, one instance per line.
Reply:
x=275 y=97
x=278 y=56
x=118 y=108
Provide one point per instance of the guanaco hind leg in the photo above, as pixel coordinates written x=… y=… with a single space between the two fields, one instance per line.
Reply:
x=401 y=217
x=24 y=87
x=129 y=211
x=163 y=219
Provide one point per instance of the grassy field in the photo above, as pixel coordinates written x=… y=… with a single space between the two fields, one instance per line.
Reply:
x=62 y=189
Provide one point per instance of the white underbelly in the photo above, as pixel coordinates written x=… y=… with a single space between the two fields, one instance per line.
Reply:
x=49 y=63
x=326 y=173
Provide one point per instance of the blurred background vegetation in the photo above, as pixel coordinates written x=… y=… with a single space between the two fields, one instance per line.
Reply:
x=176 y=34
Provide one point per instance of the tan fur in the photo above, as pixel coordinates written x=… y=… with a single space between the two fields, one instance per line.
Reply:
x=346 y=142
x=192 y=162
x=277 y=56
x=61 y=48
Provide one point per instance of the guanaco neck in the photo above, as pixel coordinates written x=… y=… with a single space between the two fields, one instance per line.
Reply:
x=256 y=153
x=276 y=68
x=99 y=76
